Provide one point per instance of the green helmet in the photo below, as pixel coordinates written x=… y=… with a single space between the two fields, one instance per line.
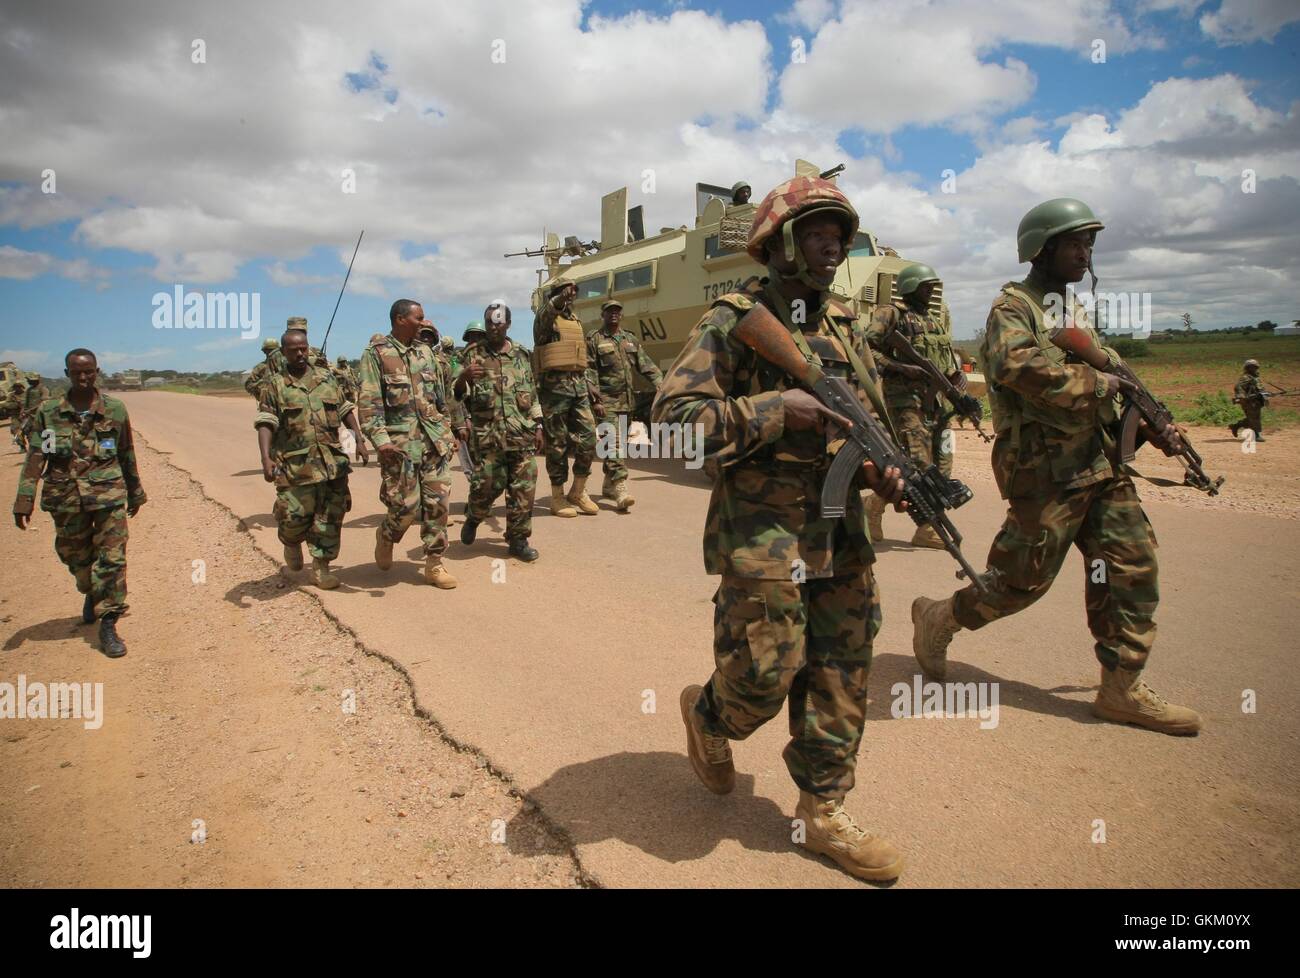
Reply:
x=471 y=329
x=269 y=344
x=1049 y=219
x=738 y=184
x=914 y=276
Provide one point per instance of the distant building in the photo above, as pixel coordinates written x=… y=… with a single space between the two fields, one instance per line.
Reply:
x=1292 y=330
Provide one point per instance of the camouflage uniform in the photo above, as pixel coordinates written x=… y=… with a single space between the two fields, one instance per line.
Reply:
x=566 y=397
x=273 y=364
x=797 y=607
x=88 y=463
x=1250 y=394
x=348 y=381
x=1050 y=459
x=29 y=398
x=613 y=357
x=304 y=414
x=914 y=406
x=404 y=394
x=502 y=411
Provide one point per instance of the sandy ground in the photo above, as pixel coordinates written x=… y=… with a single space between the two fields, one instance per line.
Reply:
x=563 y=676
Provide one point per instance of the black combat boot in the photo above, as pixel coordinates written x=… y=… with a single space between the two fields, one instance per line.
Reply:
x=519 y=548
x=88 y=610
x=112 y=646
x=468 y=532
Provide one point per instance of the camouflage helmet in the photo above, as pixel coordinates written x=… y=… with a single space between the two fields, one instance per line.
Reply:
x=342 y=361
x=1251 y=363
x=1050 y=218
x=448 y=343
x=914 y=276
x=472 y=329
x=791 y=201
x=269 y=344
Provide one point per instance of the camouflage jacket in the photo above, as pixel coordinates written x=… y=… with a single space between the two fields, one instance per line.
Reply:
x=1052 y=418
x=273 y=363
x=574 y=383
x=87 y=461
x=501 y=407
x=27 y=398
x=349 y=383
x=304 y=414
x=764 y=512
x=404 y=392
x=931 y=337
x=1248 y=389
x=613 y=360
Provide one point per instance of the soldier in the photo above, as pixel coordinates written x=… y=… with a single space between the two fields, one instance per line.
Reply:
x=272 y=363
x=914 y=406
x=614 y=354
x=29 y=396
x=1252 y=397
x=499 y=417
x=81 y=444
x=298 y=437
x=347 y=379
x=403 y=403
x=569 y=400
x=1052 y=462
x=740 y=192
x=797 y=608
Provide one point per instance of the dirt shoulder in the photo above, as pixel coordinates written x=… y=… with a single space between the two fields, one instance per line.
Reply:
x=228 y=720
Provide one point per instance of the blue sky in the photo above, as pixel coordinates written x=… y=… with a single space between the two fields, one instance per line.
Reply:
x=84 y=280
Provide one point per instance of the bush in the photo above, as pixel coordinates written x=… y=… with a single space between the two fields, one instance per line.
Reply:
x=1212 y=410
x=1129 y=348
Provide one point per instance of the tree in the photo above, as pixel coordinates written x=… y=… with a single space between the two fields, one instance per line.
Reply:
x=1266 y=324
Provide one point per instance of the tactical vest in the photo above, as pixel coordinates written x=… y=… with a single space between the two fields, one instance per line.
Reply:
x=935 y=346
x=569 y=352
x=1011 y=411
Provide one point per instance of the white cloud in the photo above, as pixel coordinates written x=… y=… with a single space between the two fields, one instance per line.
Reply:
x=1244 y=21
x=17 y=263
x=42 y=360
x=808 y=14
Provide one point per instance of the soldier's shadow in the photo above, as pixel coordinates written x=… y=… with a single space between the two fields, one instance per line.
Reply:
x=237 y=475
x=653 y=801
x=364 y=522
x=279 y=584
x=258 y=519
x=54 y=630
x=892 y=668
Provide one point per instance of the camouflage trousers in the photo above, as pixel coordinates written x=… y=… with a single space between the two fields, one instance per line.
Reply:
x=925 y=437
x=570 y=428
x=92 y=545
x=809 y=643
x=1106 y=522
x=515 y=474
x=414 y=490
x=314 y=513
x=1252 y=420
x=615 y=462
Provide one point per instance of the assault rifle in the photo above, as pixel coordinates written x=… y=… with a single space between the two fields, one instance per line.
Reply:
x=1278 y=392
x=966 y=405
x=928 y=493
x=1139 y=405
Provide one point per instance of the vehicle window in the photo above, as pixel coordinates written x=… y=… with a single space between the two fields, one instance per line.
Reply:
x=861 y=246
x=591 y=288
x=633 y=278
x=713 y=247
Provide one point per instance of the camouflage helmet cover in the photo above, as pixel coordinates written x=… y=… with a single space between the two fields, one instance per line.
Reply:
x=791 y=200
x=342 y=361
x=914 y=276
x=269 y=344
x=448 y=343
x=1050 y=218
x=1251 y=363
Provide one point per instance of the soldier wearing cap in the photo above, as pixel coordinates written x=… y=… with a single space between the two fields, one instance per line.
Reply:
x=615 y=355
x=796 y=609
x=569 y=397
x=914 y=405
x=314 y=355
x=1252 y=397
x=1053 y=463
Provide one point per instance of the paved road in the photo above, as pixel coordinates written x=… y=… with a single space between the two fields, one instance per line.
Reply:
x=567 y=673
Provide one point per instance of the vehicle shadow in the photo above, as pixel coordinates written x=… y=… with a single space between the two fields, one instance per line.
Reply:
x=653 y=801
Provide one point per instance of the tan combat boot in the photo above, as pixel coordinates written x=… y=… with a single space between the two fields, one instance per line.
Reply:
x=710 y=756
x=293 y=556
x=1124 y=697
x=438 y=575
x=559 y=505
x=925 y=536
x=933 y=628
x=578 y=496
x=321 y=576
x=383 y=549
x=876 y=517
x=831 y=831
x=623 y=499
